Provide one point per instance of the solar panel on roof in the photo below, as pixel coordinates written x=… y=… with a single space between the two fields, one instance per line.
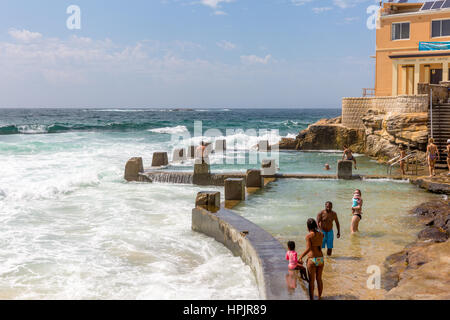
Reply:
x=437 y=4
x=402 y=1
x=427 y=5
x=446 y=4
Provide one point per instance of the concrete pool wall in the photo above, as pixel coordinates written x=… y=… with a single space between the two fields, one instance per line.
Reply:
x=257 y=248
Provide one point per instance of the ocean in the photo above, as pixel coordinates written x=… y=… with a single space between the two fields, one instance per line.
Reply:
x=72 y=228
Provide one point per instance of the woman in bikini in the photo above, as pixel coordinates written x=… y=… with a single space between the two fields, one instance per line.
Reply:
x=357 y=203
x=315 y=262
x=432 y=156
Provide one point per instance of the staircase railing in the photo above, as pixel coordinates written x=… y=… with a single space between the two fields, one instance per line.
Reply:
x=412 y=155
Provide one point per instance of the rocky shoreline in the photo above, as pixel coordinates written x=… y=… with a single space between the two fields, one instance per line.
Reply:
x=422 y=269
x=380 y=137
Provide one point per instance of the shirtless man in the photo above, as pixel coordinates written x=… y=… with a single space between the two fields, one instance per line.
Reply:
x=432 y=156
x=325 y=221
x=348 y=155
x=200 y=152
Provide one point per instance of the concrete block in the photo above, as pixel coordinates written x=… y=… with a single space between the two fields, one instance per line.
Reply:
x=345 y=169
x=178 y=155
x=269 y=167
x=160 y=159
x=221 y=145
x=254 y=179
x=201 y=168
x=234 y=189
x=209 y=200
x=132 y=169
x=202 y=174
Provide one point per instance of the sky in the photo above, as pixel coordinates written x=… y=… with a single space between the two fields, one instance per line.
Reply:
x=185 y=53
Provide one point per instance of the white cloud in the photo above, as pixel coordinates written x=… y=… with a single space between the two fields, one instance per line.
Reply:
x=214 y=3
x=253 y=59
x=321 y=9
x=343 y=4
x=24 y=35
x=300 y=2
x=347 y=3
x=227 y=45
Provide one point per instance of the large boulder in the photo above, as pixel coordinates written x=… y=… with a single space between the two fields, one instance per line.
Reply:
x=386 y=131
x=326 y=136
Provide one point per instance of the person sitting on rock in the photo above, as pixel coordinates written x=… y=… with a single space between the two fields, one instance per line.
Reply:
x=348 y=155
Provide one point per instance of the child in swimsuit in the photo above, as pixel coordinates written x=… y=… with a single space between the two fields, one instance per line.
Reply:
x=291 y=255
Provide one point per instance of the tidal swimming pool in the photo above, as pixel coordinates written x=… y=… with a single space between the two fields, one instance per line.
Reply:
x=285 y=205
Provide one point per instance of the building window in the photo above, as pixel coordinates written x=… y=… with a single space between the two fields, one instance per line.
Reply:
x=400 y=31
x=440 y=28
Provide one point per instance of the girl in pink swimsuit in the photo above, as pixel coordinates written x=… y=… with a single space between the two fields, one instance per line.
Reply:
x=291 y=255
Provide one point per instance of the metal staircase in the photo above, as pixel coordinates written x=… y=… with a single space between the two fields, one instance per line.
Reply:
x=439 y=129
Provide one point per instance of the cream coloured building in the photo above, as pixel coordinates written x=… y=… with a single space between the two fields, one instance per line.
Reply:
x=412 y=46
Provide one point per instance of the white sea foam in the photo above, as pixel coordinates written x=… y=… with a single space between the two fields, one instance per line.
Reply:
x=291 y=135
x=32 y=129
x=170 y=130
x=86 y=234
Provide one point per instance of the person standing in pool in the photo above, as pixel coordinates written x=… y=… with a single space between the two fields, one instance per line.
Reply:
x=432 y=156
x=357 y=203
x=325 y=220
x=348 y=155
x=314 y=262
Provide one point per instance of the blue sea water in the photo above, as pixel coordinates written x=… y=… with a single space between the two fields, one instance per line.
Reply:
x=72 y=228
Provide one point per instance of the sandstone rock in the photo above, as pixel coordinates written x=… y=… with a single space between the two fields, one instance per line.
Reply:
x=287 y=144
x=420 y=270
x=386 y=131
x=434 y=234
x=324 y=136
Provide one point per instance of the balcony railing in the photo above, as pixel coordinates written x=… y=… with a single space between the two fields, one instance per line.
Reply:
x=368 y=92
